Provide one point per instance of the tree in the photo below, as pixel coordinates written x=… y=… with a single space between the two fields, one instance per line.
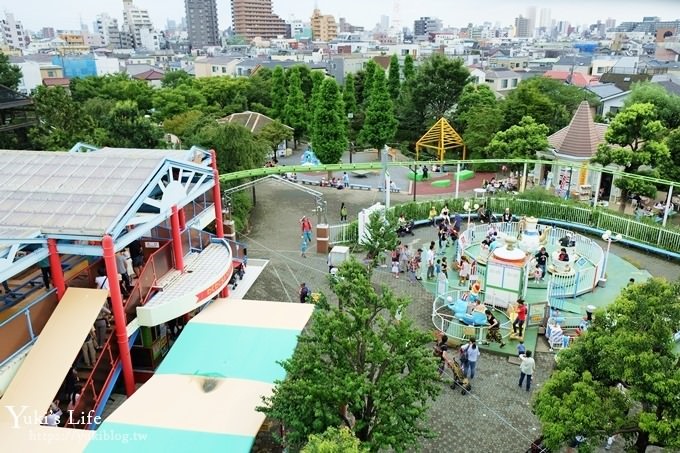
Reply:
x=394 y=78
x=521 y=141
x=127 y=127
x=370 y=68
x=173 y=79
x=358 y=366
x=184 y=124
x=329 y=128
x=380 y=236
x=350 y=102
x=435 y=89
x=295 y=110
x=473 y=98
x=672 y=171
x=61 y=121
x=409 y=69
x=622 y=376
x=236 y=147
x=169 y=102
x=10 y=74
x=315 y=99
x=334 y=440
x=667 y=104
x=380 y=124
x=274 y=134
x=548 y=101
x=634 y=141
x=279 y=92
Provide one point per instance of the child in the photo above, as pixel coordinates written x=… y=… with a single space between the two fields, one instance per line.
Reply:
x=437 y=267
x=432 y=216
x=521 y=349
x=303 y=246
x=464 y=273
x=445 y=268
x=395 y=268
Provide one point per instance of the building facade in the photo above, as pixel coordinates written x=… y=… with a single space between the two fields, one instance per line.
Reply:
x=138 y=23
x=13 y=33
x=324 y=27
x=256 y=19
x=425 y=25
x=202 y=26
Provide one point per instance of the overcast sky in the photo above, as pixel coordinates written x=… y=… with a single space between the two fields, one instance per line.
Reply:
x=68 y=14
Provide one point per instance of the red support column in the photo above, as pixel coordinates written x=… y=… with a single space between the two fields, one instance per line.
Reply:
x=182 y=220
x=118 y=314
x=176 y=240
x=56 y=269
x=217 y=198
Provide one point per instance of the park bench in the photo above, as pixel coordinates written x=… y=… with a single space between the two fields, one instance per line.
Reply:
x=359 y=187
x=393 y=190
x=309 y=182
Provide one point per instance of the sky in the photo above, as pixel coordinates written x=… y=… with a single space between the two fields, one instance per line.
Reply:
x=67 y=15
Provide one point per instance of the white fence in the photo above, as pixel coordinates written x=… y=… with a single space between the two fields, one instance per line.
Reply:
x=342 y=234
x=445 y=322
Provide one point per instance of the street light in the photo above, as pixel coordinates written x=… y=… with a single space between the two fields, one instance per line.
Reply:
x=469 y=210
x=609 y=238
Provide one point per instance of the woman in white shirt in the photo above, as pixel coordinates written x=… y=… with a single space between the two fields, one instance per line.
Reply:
x=526 y=369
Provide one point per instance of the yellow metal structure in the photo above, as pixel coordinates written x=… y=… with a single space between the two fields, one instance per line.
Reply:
x=441 y=137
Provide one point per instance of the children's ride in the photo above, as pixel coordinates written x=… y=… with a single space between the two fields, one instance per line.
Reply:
x=309 y=158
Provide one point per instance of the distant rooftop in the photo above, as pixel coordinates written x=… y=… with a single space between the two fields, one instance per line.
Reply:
x=605 y=90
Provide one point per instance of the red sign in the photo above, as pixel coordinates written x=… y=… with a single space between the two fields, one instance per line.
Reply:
x=209 y=291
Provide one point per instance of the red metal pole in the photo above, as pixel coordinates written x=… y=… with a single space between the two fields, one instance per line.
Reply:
x=176 y=240
x=217 y=197
x=118 y=314
x=182 y=220
x=56 y=269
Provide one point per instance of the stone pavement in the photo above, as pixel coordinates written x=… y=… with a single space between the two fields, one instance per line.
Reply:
x=496 y=416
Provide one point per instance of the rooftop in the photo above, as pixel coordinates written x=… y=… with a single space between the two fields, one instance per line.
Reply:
x=605 y=90
x=252 y=121
x=581 y=137
x=578 y=79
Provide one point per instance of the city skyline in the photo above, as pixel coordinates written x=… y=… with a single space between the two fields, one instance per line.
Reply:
x=577 y=12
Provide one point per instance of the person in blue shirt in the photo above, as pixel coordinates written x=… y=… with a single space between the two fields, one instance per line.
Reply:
x=521 y=349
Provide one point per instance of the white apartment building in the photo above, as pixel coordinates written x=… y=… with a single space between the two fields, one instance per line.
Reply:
x=138 y=22
x=13 y=33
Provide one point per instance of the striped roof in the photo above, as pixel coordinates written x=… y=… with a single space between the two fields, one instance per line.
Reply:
x=581 y=137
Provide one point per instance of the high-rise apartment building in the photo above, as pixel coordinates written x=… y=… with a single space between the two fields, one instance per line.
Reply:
x=545 y=19
x=324 y=27
x=522 y=27
x=12 y=32
x=610 y=23
x=138 y=23
x=425 y=25
x=256 y=18
x=202 y=23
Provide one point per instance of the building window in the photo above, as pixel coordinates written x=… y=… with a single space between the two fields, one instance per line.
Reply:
x=504 y=83
x=514 y=83
x=224 y=70
x=50 y=73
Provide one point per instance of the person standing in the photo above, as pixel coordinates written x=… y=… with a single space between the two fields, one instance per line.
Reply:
x=439 y=350
x=137 y=256
x=121 y=268
x=542 y=261
x=404 y=257
x=494 y=332
x=303 y=246
x=89 y=349
x=345 y=180
x=343 y=212
x=306 y=226
x=457 y=220
x=518 y=323
x=101 y=325
x=471 y=352
x=430 y=262
x=303 y=293
x=44 y=265
x=526 y=370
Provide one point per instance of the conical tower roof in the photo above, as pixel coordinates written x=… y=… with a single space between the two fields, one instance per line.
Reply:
x=581 y=137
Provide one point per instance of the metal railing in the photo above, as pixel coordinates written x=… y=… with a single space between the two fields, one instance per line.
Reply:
x=445 y=322
x=343 y=233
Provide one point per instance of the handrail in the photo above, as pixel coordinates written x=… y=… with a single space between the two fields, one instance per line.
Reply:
x=28 y=307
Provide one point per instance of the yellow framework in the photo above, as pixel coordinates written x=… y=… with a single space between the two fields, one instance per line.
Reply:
x=440 y=137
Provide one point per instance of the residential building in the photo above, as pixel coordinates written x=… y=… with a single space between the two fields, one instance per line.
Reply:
x=610 y=96
x=106 y=25
x=13 y=33
x=153 y=77
x=346 y=27
x=215 y=66
x=523 y=27
x=202 y=25
x=256 y=19
x=48 y=32
x=501 y=82
x=138 y=23
x=574 y=63
x=531 y=17
x=513 y=62
x=324 y=27
x=425 y=25
x=31 y=76
x=575 y=78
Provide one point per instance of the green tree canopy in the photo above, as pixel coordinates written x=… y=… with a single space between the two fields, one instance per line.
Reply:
x=667 y=104
x=275 y=133
x=370 y=68
x=10 y=74
x=329 y=128
x=436 y=88
x=380 y=124
x=548 y=101
x=295 y=111
x=473 y=98
x=236 y=147
x=394 y=78
x=521 y=141
x=672 y=171
x=185 y=124
x=314 y=100
x=635 y=142
x=621 y=377
x=334 y=440
x=409 y=68
x=173 y=79
x=279 y=92
x=127 y=127
x=358 y=366
x=380 y=236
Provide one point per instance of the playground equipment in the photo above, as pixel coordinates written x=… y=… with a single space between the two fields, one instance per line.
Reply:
x=309 y=158
x=441 y=137
x=530 y=239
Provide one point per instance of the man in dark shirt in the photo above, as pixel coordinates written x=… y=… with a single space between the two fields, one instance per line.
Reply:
x=563 y=255
x=542 y=261
x=494 y=332
x=137 y=256
x=304 y=292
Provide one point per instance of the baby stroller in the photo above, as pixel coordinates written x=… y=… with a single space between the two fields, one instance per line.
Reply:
x=459 y=379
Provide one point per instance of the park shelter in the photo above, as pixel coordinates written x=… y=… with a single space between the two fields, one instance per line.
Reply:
x=440 y=138
x=254 y=122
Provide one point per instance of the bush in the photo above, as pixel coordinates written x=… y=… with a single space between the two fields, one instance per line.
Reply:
x=241 y=205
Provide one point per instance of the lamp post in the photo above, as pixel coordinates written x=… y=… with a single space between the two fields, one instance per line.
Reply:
x=350 y=116
x=469 y=208
x=609 y=237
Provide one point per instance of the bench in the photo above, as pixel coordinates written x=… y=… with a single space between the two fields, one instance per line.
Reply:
x=394 y=190
x=359 y=187
x=309 y=182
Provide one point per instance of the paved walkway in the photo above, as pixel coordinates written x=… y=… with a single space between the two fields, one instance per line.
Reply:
x=496 y=416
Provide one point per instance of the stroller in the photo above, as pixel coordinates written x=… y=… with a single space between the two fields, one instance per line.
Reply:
x=459 y=379
x=405 y=229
